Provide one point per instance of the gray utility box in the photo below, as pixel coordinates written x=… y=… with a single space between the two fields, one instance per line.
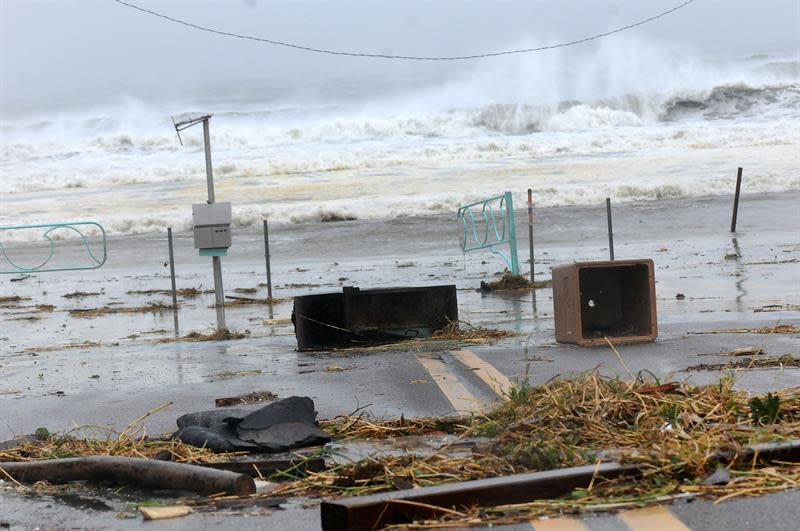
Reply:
x=212 y=225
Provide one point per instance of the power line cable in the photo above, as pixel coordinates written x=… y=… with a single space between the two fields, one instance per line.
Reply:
x=402 y=57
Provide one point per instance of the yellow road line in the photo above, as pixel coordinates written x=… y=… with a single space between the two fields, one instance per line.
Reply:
x=485 y=371
x=558 y=524
x=650 y=518
x=458 y=395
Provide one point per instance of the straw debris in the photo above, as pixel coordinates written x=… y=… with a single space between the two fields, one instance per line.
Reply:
x=81 y=294
x=13 y=298
x=510 y=281
x=745 y=363
x=153 y=307
x=456 y=332
x=679 y=434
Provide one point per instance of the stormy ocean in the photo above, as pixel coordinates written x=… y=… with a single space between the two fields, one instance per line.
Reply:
x=631 y=118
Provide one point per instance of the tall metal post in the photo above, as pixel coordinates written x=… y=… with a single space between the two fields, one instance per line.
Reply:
x=610 y=229
x=216 y=263
x=512 y=233
x=530 y=229
x=266 y=256
x=172 y=276
x=736 y=200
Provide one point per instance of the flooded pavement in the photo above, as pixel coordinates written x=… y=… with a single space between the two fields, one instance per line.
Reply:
x=62 y=370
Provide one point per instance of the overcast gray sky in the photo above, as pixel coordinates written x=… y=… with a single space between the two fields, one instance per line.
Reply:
x=67 y=52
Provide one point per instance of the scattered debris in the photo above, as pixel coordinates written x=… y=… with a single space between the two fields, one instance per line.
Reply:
x=20 y=278
x=245 y=290
x=250 y=398
x=454 y=331
x=510 y=281
x=81 y=294
x=153 y=307
x=217 y=335
x=277 y=427
x=680 y=296
x=162 y=513
x=241 y=301
x=186 y=293
x=224 y=375
x=777 y=329
x=13 y=298
x=574 y=421
x=787 y=360
x=85 y=344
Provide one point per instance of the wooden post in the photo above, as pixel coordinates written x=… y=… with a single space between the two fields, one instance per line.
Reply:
x=736 y=200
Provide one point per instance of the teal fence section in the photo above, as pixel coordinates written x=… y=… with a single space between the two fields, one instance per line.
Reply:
x=489 y=224
x=10 y=265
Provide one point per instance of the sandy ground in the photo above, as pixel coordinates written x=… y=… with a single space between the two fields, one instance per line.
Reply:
x=60 y=370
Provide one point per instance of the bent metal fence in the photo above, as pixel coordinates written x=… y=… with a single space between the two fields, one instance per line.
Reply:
x=489 y=224
x=46 y=256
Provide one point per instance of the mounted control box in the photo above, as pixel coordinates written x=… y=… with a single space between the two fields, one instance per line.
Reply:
x=212 y=225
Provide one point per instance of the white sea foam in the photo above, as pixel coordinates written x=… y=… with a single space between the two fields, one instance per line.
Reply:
x=634 y=121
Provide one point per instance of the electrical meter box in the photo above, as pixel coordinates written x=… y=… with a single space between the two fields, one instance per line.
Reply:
x=212 y=228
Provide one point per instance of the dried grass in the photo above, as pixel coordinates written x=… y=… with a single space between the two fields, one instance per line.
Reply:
x=746 y=363
x=187 y=293
x=245 y=301
x=102 y=440
x=461 y=331
x=510 y=281
x=153 y=307
x=81 y=294
x=678 y=434
x=777 y=329
x=13 y=298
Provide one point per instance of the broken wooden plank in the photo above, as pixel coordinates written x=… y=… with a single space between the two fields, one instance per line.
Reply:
x=375 y=511
x=163 y=513
x=130 y=470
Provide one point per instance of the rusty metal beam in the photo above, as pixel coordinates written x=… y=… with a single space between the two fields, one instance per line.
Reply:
x=366 y=513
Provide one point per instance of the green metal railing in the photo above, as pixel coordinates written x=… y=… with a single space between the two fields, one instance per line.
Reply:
x=77 y=227
x=493 y=228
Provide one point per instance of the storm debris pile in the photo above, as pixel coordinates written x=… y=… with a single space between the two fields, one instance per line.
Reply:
x=463 y=331
x=510 y=281
x=678 y=434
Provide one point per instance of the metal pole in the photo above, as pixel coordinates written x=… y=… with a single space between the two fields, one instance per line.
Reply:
x=218 y=292
x=266 y=256
x=216 y=263
x=512 y=233
x=530 y=230
x=209 y=175
x=736 y=200
x=172 y=276
x=610 y=229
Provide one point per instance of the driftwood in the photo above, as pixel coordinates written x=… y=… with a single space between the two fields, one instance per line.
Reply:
x=130 y=470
